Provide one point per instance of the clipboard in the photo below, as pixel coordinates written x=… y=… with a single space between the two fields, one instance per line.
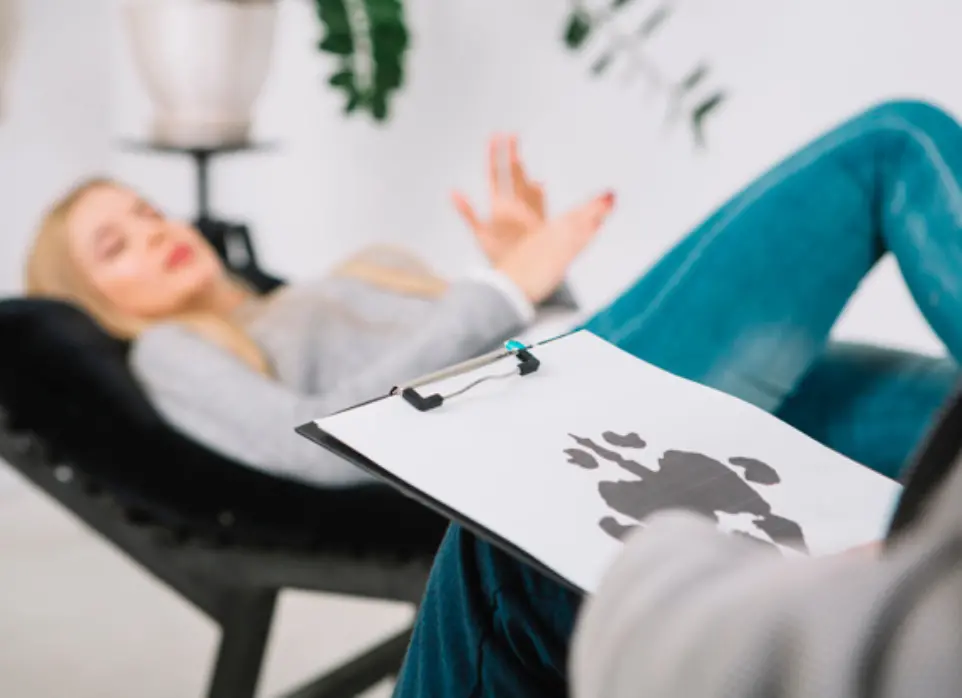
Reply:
x=527 y=364
x=527 y=361
x=321 y=438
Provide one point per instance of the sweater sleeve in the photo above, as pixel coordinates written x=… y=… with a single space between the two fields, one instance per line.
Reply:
x=216 y=399
x=562 y=299
x=687 y=611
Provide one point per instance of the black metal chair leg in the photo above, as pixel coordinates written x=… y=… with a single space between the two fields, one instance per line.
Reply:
x=245 y=623
x=361 y=673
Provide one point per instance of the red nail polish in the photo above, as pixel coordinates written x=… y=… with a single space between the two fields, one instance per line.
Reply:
x=609 y=198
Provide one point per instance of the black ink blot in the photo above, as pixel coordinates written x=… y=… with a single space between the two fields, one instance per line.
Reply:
x=630 y=440
x=614 y=529
x=756 y=471
x=581 y=458
x=684 y=480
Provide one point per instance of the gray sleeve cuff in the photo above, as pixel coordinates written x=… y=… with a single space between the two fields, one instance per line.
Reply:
x=509 y=289
x=562 y=298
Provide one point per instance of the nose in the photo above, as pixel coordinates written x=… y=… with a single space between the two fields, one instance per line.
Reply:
x=156 y=233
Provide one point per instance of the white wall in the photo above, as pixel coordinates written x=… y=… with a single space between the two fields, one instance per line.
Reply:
x=55 y=123
x=336 y=183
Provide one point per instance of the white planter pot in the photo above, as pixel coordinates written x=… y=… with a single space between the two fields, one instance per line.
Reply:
x=204 y=63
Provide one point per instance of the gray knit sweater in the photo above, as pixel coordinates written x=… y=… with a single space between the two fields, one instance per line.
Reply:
x=332 y=343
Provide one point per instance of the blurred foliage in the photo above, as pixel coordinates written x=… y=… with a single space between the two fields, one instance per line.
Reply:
x=602 y=26
x=369 y=41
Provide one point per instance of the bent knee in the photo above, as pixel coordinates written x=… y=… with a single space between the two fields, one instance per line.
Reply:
x=916 y=113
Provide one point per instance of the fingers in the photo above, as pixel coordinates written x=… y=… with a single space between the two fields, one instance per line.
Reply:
x=539 y=262
x=532 y=193
x=506 y=173
x=496 y=183
x=583 y=222
x=521 y=212
x=519 y=182
x=467 y=211
x=535 y=199
x=596 y=210
x=603 y=206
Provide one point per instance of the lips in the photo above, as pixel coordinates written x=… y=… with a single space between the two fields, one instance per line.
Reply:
x=179 y=256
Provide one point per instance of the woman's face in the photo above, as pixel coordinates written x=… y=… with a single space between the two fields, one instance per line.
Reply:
x=144 y=264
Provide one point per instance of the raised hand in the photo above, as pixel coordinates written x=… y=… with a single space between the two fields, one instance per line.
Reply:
x=539 y=261
x=517 y=203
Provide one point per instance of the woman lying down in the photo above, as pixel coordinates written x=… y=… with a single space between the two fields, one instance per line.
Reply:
x=238 y=371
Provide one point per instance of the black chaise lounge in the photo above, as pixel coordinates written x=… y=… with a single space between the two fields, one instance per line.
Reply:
x=226 y=537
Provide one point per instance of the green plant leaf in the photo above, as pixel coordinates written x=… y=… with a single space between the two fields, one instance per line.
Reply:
x=389 y=39
x=388 y=76
x=694 y=77
x=341 y=44
x=653 y=21
x=384 y=11
x=387 y=47
x=701 y=112
x=578 y=28
x=602 y=63
x=342 y=78
x=379 y=107
x=333 y=15
x=353 y=102
x=615 y=4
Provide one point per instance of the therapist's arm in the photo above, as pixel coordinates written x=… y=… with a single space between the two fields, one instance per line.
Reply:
x=687 y=612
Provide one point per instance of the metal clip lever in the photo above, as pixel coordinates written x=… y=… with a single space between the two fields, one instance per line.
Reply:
x=527 y=363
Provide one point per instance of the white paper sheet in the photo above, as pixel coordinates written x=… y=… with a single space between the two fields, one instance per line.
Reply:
x=511 y=455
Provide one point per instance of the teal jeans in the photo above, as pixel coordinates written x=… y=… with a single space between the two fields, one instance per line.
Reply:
x=744 y=304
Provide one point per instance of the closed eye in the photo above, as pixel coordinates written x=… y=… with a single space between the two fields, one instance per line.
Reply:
x=110 y=243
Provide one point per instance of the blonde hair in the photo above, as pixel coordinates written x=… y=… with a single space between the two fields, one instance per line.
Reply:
x=52 y=272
